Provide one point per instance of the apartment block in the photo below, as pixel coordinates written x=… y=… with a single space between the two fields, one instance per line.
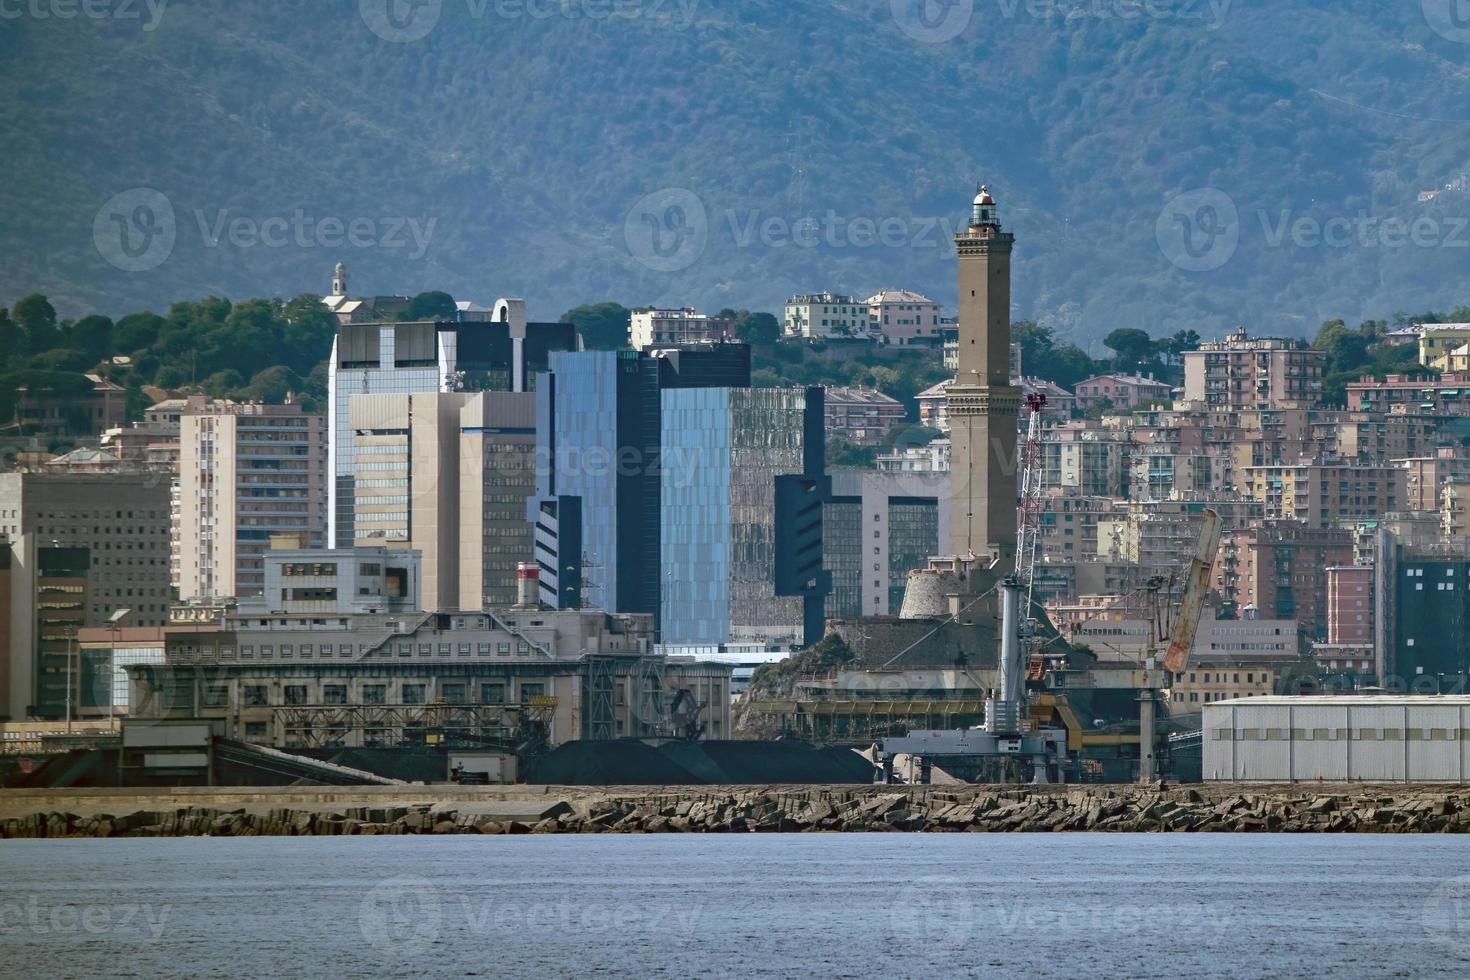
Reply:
x=246 y=471
x=905 y=319
x=1123 y=392
x=1165 y=476
x=862 y=416
x=1069 y=525
x=825 y=316
x=1327 y=493
x=1243 y=372
x=650 y=329
x=1445 y=394
x=1425 y=476
x=1454 y=510
x=1437 y=341
x=1278 y=570
x=1086 y=459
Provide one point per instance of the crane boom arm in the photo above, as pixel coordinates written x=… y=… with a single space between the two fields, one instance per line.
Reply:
x=1197 y=583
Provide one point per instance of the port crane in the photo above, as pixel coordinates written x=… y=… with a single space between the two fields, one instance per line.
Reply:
x=1009 y=730
x=1180 y=636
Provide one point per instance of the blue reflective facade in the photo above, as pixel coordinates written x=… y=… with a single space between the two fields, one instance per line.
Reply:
x=723 y=449
x=584 y=403
x=695 y=523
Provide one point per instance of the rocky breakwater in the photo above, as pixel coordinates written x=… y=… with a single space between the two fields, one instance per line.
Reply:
x=881 y=809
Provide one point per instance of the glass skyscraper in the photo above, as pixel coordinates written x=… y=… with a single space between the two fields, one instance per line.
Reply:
x=672 y=459
x=722 y=451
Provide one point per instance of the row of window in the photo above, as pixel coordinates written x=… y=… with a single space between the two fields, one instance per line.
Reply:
x=296 y=695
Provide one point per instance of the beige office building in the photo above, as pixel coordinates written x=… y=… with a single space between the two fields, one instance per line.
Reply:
x=448 y=475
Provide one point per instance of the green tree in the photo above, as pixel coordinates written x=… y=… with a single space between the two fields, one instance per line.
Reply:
x=756 y=329
x=307 y=334
x=603 y=326
x=223 y=384
x=905 y=436
x=1068 y=365
x=11 y=339
x=37 y=319
x=136 y=332
x=845 y=454
x=92 y=335
x=62 y=359
x=271 y=385
x=1037 y=344
x=1180 y=344
x=433 y=305
x=1132 y=348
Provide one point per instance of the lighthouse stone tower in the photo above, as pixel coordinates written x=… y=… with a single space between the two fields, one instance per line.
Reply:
x=983 y=405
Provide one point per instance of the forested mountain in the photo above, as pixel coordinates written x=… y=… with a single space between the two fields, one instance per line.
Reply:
x=728 y=154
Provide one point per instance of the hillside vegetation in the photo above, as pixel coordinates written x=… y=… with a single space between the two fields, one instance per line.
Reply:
x=510 y=154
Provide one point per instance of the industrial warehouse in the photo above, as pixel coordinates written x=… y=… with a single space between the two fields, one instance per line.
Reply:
x=1339 y=738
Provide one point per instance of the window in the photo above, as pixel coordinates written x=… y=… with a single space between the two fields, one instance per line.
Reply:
x=255 y=729
x=256 y=695
x=375 y=694
x=216 y=695
x=334 y=694
x=295 y=693
x=529 y=691
x=178 y=693
x=413 y=694
x=454 y=693
x=492 y=693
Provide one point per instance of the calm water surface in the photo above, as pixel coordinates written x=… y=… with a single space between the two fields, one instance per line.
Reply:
x=889 y=905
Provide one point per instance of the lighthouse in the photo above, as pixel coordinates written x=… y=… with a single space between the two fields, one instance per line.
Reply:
x=983 y=404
